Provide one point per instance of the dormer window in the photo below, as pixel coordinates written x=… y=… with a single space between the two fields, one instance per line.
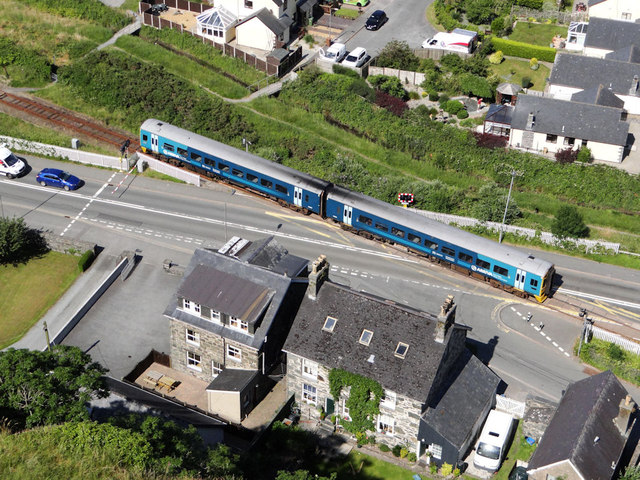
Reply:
x=329 y=324
x=238 y=324
x=365 y=338
x=191 y=307
x=401 y=350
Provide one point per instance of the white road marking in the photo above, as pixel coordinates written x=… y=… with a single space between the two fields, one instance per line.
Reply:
x=591 y=296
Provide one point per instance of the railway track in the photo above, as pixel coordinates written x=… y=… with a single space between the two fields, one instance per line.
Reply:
x=65 y=120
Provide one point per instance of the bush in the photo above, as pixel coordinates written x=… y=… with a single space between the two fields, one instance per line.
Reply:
x=340 y=70
x=569 y=223
x=391 y=85
x=396 y=450
x=497 y=25
x=533 y=64
x=524 y=50
x=86 y=260
x=444 y=98
x=434 y=96
x=446 y=469
x=615 y=353
x=452 y=107
x=413 y=95
x=567 y=155
x=404 y=452
x=584 y=155
x=462 y=114
x=526 y=82
x=384 y=447
x=393 y=104
x=487 y=140
x=397 y=54
x=309 y=39
x=412 y=457
x=433 y=468
x=496 y=58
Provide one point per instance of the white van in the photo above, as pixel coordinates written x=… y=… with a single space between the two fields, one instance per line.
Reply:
x=335 y=53
x=492 y=444
x=10 y=165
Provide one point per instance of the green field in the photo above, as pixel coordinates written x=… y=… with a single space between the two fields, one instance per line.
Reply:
x=29 y=290
x=537 y=33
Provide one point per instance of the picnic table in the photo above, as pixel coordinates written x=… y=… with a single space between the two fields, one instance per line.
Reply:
x=168 y=382
x=152 y=378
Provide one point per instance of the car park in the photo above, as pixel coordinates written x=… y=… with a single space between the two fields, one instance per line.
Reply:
x=376 y=20
x=10 y=165
x=335 y=53
x=54 y=177
x=356 y=58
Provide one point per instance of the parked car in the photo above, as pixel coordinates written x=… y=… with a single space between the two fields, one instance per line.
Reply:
x=357 y=3
x=355 y=58
x=10 y=165
x=376 y=20
x=335 y=53
x=54 y=177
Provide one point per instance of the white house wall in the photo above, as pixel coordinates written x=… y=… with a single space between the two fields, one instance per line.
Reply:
x=599 y=151
x=616 y=10
x=596 y=52
x=225 y=404
x=255 y=34
x=631 y=103
x=238 y=7
x=606 y=152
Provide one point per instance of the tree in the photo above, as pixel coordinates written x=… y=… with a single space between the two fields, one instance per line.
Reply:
x=18 y=242
x=569 y=223
x=43 y=388
x=491 y=202
x=474 y=85
x=397 y=54
x=631 y=473
x=480 y=11
x=7 y=54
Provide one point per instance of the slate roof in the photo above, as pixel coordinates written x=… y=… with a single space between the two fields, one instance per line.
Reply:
x=232 y=380
x=571 y=119
x=607 y=34
x=598 y=96
x=390 y=323
x=630 y=54
x=457 y=411
x=266 y=253
x=586 y=411
x=267 y=19
x=587 y=72
x=499 y=114
x=212 y=263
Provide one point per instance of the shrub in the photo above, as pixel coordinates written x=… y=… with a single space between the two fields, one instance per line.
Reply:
x=384 y=447
x=524 y=50
x=425 y=94
x=393 y=104
x=567 y=155
x=533 y=63
x=404 y=451
x=452 y=107
x=496 y=58
x=456 y=472
x=396 y=450
x=487 y=140
x=412 y=457
x=433 y=468
x=413 y=95
x=497 y=25
x=615 y=353
x=391 y=85
x=444 y=98
x=86 y=260
x=462 y=114
x=569 y=223
x=434 y=96
x=584 y=155
x=397 y=54
x=446 y=469
x=309 y=39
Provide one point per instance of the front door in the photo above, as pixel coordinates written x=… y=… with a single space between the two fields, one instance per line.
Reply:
x=346 y=215
x=329 y=406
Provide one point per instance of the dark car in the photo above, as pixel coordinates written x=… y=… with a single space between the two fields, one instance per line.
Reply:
x=53 y=177
x=376 y=20
x=518 y=473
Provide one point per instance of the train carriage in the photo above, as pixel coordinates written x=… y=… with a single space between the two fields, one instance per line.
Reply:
x=213 y=158
x=481 y=257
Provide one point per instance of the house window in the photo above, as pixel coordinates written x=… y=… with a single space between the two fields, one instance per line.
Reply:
x=309 y=368
x=193 y=337
x=194 y=362
x=552 y=138
x=385 y=424
x=215 y=316
x=436 y=451
x=216 y=368
x=309 y=393
x=345 y=411
x=401 y=350
x=388 y=400
x=191 y=306
x=626 y=16
x=234 y=353
x=238 y=324
x=365 y=337
x=569 y=141
x=248 y=3
x=329 y=324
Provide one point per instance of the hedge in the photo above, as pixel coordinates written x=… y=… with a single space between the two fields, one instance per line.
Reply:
x=86 y=260
x=524 y=50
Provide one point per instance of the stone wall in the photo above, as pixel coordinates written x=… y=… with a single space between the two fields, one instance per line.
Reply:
x=212 y=348
x=537 y=415
x=67 y=245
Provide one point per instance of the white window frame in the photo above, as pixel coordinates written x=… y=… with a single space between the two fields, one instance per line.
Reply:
x=388 y=400
x=238 y=324
x=309 y=394
x=386 y=424
x=194 y=361
x=334 y=322
x=191 y=307
x=309 y=369
x=397 y=354
x=216 y=368
x=436 y=451
x=216 y=316
x=345 y=410
x=192 y=337
x=236 y=356
x=365 y=337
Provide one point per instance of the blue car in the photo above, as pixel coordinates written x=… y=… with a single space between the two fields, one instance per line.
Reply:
x=54 y=177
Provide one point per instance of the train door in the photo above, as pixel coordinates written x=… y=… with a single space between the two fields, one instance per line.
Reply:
x=520 y=278
x=346 y=215
x=297 y=196
x=154 y=143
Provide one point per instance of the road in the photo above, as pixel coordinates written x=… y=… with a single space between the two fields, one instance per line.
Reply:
x=168 y=220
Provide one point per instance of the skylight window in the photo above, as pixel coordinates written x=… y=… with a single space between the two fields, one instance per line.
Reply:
x=330 y=324
x=401 y=350
x=365 y=338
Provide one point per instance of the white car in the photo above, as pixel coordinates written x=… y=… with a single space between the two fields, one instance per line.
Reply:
x=335 y=53
x=10 y=165
x=356 y=58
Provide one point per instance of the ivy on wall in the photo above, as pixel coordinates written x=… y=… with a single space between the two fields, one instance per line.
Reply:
x=363 y=402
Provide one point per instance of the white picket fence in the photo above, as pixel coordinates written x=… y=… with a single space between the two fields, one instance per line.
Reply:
x=619 y=340
x=510 y=406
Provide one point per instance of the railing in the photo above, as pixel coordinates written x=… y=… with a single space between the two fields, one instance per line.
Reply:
x=619 y=340
x=511 y=406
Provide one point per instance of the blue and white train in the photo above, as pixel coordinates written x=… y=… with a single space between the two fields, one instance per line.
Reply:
x=503 y=266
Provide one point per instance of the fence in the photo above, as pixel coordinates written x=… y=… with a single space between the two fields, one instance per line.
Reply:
x=511 y=406
x=546 y=237
x=405 y=76
x=175 y=172
x=437 y=53
x=71 y=154
x=524 y=14
x=619 y=340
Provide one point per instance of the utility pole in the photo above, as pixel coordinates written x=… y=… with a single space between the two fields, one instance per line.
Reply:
x=506 y=208
x=46 y=333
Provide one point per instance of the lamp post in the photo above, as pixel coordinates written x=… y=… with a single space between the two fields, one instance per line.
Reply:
x=506 y=208
x=586 y=328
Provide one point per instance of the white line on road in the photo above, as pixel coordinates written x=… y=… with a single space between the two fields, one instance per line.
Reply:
x=591 y=296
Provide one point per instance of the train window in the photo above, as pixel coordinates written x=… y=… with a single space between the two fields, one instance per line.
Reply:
x=144 y=138
x=252 y=178
x=483 y=264
x=382 y=227
x=534 y=283
x=208 y=161
x=448 y=251
x=223 y=167
x=182 y=152
x=502 y=271
x=465 y=257
x=365 y=220
x=168 y=147
x=238 y=173
x=266 y=183
x=306 y=198
x=196 y=157
x=397 y=232
x=414 y=238
x=431 y=245
x=281 y=189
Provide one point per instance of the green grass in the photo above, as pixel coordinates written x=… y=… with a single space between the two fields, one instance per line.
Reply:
x=181 y=66
x=519 y=450
x=358 y=466
x=521 y=69
x=29 y=290
x=160 y=176
x=536 y=33
x=347 y=13
x=608 y=356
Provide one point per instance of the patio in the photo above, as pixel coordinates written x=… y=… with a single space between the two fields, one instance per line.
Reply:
x=184 y=387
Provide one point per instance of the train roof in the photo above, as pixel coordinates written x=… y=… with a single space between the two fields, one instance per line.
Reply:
x=419 y=223
x=234 y=155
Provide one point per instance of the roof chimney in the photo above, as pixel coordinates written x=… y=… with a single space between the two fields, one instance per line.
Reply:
x=531 y=120
x=634 y=86
x=624 y=420
x=319 y=273
x=446 y=317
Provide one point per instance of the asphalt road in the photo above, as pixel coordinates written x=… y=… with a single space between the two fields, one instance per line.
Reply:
x=169 y=220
